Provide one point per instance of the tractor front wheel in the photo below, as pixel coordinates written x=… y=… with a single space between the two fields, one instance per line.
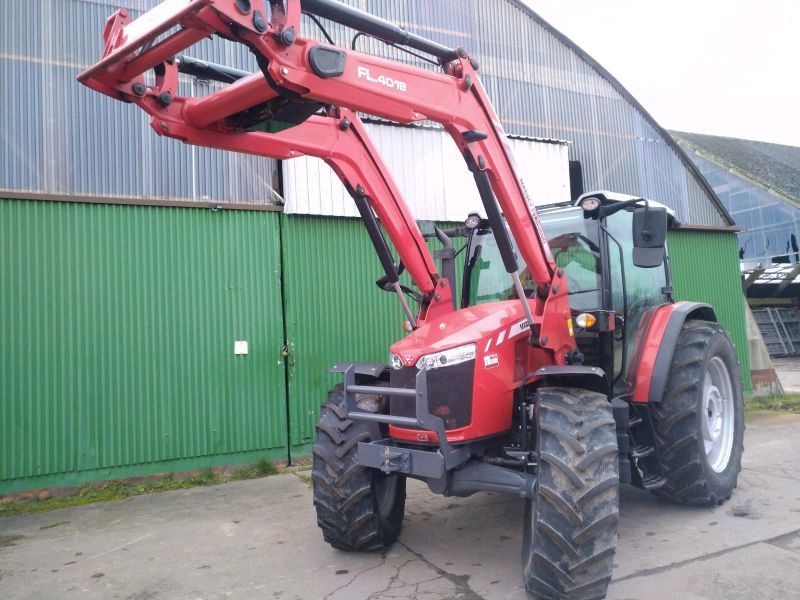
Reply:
x=570 y=528
x=699 y=422
x=357 y=508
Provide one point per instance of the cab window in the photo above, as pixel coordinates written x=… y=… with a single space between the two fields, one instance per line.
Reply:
x=574 y=242
x=575 y=246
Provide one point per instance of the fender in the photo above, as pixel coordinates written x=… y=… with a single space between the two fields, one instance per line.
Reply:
x=590 y=378
x=655 y=345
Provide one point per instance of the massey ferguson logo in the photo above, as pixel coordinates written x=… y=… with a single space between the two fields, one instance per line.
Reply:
x=392 y=84
x=408 y=359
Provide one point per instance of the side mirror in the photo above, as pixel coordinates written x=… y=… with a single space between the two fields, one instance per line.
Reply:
x=649 y=236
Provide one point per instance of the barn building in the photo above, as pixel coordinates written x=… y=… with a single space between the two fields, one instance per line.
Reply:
x=134 y=268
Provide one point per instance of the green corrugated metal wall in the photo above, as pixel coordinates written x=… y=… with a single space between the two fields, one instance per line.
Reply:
x=334 y=311
x=117 y=326
x=118 y=323
x=705 y=268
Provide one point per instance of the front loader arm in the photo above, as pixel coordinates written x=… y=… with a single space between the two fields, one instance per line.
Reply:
x=340 y=140
x=305 y=76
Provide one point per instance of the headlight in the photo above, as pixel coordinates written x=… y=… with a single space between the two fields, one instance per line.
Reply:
x=590 y=205
x=453 y=356
x=396 y=361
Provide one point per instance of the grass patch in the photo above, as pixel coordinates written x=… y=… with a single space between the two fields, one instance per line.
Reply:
x=104 y=492
x=262 y=468
x=782 y=402
x=119 y=490
x=305 y=477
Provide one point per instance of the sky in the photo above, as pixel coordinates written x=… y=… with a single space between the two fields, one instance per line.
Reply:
x=721 y=67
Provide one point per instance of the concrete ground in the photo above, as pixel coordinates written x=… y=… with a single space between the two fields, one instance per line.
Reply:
x=258 y=539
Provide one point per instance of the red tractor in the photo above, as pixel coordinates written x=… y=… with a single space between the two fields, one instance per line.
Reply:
x=562 y=368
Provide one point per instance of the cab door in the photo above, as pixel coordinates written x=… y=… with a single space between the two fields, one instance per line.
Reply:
x=577 y=246
x=633 y=290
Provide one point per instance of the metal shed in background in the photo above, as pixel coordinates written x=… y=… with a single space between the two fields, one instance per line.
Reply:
x=119 y=322
x=759 y=184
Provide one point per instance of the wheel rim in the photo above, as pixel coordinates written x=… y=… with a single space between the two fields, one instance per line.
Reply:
x=385 y=489
x=717 y=420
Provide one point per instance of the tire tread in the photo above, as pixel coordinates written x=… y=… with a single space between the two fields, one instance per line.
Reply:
x=344 y=495
x=569 y=548
x=677 y=429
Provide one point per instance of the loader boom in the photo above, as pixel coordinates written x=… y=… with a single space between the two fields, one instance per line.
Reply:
x=314 y=90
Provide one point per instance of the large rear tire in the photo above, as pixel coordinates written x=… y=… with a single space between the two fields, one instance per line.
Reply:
x=699 y=422
x=357 y=508
x=570 y=528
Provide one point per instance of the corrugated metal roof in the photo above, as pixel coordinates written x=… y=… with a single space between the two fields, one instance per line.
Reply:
x=430 y=173
x=703 y=204
x=60 y=137
x=774 y=167
x=770 y=221
x=542 y=84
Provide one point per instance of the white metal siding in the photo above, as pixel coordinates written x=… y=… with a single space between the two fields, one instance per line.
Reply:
x=544 y=166
x=430 y=173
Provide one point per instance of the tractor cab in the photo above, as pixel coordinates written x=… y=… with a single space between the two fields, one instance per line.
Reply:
x=596 y=241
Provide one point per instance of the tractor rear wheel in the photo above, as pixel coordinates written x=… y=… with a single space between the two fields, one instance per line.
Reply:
x=570 y=528
x=357 y=508
x=699 y=422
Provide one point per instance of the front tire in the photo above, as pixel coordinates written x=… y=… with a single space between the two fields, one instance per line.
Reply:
x=357 y=508
x=699 y=422
x=570 y=530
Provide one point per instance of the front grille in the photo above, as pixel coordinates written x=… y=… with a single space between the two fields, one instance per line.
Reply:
x=449 y=393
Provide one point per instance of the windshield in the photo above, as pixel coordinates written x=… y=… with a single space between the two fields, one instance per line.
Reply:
x=575 y=246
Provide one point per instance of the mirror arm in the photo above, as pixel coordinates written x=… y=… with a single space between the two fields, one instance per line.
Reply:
x=610 y=209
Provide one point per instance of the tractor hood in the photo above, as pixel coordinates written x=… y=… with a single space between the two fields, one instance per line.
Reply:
x=469 y=325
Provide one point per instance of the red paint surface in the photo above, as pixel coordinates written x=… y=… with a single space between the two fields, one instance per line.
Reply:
x=650 y=345
x=493 y=386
